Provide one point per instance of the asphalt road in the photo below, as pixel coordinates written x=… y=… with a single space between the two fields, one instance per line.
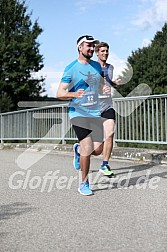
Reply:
x=41 y=210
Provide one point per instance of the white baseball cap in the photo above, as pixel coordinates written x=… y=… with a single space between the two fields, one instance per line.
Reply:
x=87 y=39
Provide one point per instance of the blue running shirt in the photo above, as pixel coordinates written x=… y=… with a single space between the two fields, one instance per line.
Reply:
x=87 y=77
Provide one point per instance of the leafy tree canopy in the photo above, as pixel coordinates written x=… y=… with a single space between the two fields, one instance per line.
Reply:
x=19 y=55
x=149 y=66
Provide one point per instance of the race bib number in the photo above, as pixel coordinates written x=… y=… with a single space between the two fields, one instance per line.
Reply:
x=89 y=99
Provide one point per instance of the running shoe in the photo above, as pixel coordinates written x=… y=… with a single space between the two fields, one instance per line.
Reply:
x=106 y=170
x=84 y=189
x=76 y=160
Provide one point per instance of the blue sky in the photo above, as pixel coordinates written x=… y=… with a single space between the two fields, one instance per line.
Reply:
x=125 y=25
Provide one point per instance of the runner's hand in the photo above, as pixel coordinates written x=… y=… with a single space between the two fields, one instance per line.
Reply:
x=106 y=89
x=80 y=93
x=118 y=81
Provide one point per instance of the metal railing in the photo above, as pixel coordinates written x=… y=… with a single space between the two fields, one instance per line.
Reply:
x=139 y=120
x=146 y=124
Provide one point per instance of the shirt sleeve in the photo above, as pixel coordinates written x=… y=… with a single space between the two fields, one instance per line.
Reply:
x=66 y=78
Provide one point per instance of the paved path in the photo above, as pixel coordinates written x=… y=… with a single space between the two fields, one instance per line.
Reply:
x=128 y=213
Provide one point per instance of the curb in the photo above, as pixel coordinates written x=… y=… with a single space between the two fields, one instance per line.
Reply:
x=148 y=155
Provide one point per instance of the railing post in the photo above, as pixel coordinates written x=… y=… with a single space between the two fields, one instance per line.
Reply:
x=27 y=128
x=63 y=126
x=1 y=129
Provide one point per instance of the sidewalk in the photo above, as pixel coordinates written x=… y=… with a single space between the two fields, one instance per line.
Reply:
x=140 y=154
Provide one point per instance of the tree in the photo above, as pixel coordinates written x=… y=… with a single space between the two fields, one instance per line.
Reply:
x=149 y=66
x=19 y=54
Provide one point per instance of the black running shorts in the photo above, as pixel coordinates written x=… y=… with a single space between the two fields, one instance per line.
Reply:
x=109 y=114
x=85 y=126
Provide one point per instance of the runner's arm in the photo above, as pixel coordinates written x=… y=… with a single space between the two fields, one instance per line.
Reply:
x=63 y=94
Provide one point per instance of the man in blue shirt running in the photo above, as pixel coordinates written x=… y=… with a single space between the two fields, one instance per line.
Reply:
x=80 y=84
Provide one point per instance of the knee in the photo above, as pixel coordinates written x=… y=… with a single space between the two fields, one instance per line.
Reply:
x=86 y=150
x=110 y=136
x=98 y=150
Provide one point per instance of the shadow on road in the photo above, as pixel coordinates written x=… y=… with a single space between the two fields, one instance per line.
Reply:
x=12 y=210
x=126 y=179
x=136 y=168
